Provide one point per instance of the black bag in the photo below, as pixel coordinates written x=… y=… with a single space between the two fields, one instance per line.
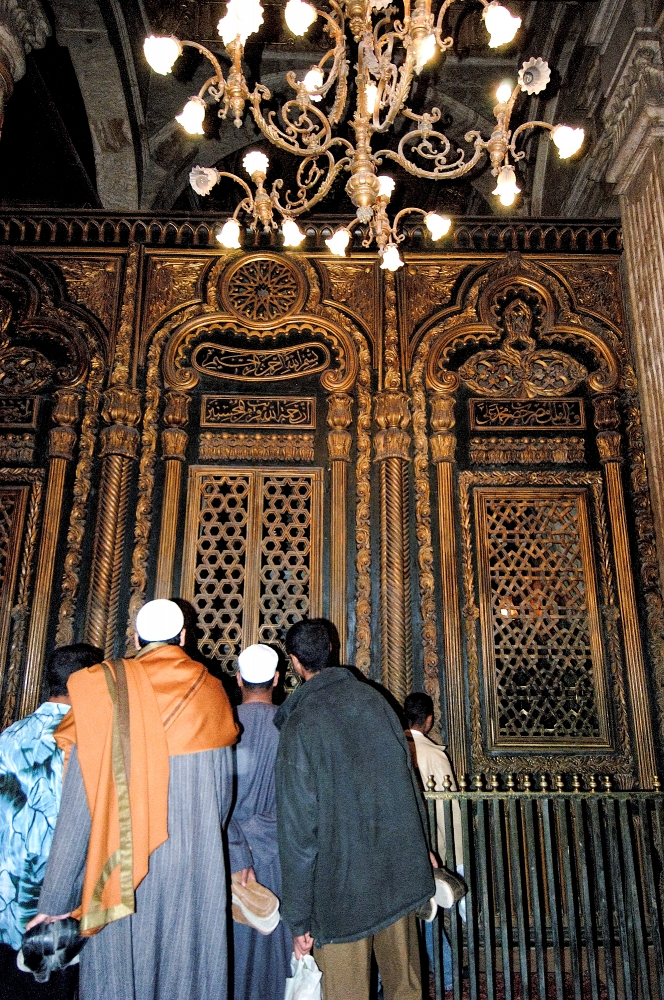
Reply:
x=51 y=946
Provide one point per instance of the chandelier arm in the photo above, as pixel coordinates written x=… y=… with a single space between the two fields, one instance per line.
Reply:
x=303 y=204
x=398 y=95
x=337 y=110
x=404 y=211
x=447 y=171
x=242 y=183
x=210 y=56
x=523 y=128
x=286 y=139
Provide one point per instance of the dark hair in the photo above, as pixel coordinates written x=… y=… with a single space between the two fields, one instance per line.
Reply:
x=261 y=686
x=65 y=661
x=417 y=708
x=309 y=640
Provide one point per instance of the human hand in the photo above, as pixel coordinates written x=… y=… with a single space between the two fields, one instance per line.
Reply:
x=43 y=918
x=302 y=945
x=434 y=860
x=247 y=875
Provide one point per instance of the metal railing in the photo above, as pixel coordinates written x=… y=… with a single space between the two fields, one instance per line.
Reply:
x=564 y=891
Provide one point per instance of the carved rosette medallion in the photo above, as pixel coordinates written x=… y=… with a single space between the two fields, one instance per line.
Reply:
x=262 y=290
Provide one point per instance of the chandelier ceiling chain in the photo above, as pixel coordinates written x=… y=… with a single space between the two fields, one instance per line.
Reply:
x=390 y=53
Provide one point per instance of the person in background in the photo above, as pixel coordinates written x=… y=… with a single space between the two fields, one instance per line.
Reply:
x=352 y=828
x=141 y=862
x=262 y=962
x=30 y=791
x=432 y=762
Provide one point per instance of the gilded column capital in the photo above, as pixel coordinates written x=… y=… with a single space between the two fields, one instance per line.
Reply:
x=174 y=444
x=392 y=414
x=122 y=410
x=62 y=437
x=176 y=411
x=174 y=439
x=607 y=422
x=339 y=417
x=443 y=441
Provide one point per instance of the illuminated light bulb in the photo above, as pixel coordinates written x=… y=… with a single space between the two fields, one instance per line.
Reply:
x=503 y=93
x=255 y=163
x=500 y=24
x=506 y=188
x=424 y=51
x=438 y=225
x=386 y=186
x=391 y=259
x=568 y=140
x=313 y=81
x=229 y=234
x=293 y=236
x=243 y=18
x=161 y=53
x=338 y=242
x=299 y=16
x=192 y=116
x=370 y=97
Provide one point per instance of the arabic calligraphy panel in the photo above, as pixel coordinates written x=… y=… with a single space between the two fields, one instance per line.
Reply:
x=258 y=411
x=250 y=366
x=522 y=414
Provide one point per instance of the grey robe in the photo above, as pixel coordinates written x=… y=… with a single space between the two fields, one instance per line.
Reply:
x=174 y=947
x=262 y=962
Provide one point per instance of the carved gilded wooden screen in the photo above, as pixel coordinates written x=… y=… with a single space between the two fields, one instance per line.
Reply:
x=13 y=501
x=252 y=562
x=544 y=666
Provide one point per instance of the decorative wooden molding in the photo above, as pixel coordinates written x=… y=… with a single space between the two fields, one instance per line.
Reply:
x=256 y=447
x=339 y=440
x=527 y=451
x=19 y=448
x=174 y=442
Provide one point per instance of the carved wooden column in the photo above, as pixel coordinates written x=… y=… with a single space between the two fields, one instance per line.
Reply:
x=607 y=422
x=119 y=445
x=339 y=416
x=634 y=140
x=62 y=442
x=392 y=444
x=443 y=445
x=174 y=452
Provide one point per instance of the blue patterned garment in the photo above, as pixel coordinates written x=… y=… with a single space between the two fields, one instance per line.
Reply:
x=30 y=791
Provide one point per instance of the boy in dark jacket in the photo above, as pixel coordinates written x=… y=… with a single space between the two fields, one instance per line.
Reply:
x=352 y=828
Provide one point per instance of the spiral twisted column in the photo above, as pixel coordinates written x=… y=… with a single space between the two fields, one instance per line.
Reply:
x=119 y=447
x=174 y=442
x=62 y=443
x=392 y=452
x=607 y=422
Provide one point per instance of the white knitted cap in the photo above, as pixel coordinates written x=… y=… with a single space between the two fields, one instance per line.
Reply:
x=159 y=620
x=258 y=663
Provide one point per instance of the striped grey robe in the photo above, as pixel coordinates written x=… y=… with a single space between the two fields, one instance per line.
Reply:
x=174 y=947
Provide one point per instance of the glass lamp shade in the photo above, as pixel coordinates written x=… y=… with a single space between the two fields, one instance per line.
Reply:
x=370 y=98
x=255 y=162
x=568 y=140
x=161 y=53
x=243 y=18
x=192 y=116
x=424 y=51
x=228 y=234
x=299 y=16
x=386 y=186
x=293 y=236
x=506 y=188
x=438 y=225
x=503 y=93
x=500 y=24
x=312 y=81
x=337 y=243
x=391 y=259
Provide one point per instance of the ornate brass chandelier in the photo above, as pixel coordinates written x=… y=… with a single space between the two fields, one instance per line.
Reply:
x=390 y=52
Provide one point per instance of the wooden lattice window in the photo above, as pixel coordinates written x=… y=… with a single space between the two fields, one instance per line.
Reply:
x=542 y=655
x=253 y=554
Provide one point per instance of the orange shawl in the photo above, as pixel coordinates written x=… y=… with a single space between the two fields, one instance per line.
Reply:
x=125 y=733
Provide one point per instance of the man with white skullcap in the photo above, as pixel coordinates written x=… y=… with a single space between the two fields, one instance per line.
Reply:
x=138 y=850
x=262 y=962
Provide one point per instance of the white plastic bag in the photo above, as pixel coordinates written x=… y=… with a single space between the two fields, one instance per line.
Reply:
x=305 y=984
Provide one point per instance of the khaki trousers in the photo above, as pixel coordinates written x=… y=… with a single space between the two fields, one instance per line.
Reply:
x=346 y=967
